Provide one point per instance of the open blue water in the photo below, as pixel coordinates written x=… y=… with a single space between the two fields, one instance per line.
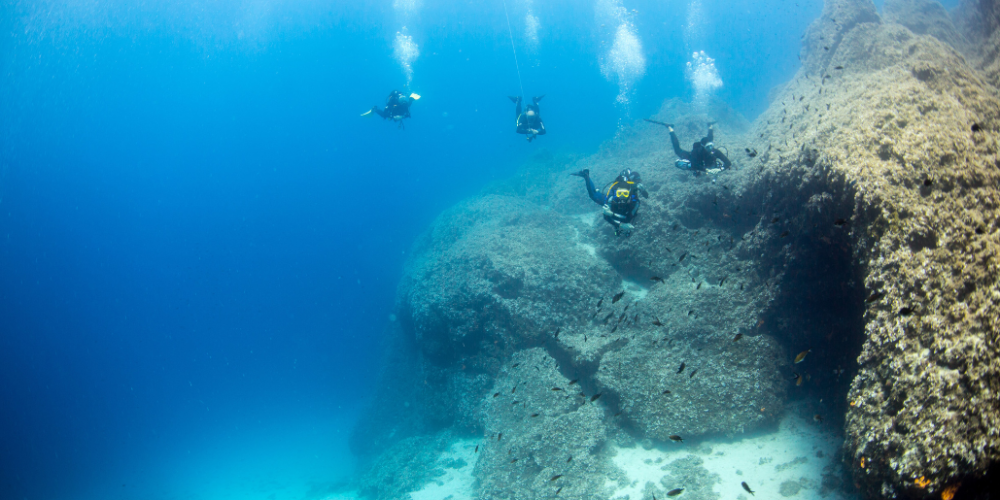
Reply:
x=200 y=238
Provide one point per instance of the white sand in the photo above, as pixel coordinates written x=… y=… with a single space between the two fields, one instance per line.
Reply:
x=764 y=461
x=456 y=483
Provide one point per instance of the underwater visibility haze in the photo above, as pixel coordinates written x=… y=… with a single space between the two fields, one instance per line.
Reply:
x=441 y=250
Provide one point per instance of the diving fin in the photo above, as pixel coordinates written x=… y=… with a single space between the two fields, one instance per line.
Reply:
x=366 y=113
x=538 y=99
x=415 y=96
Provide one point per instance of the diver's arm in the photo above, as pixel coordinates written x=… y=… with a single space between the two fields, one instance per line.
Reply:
x=725 y=161
x=684 y=155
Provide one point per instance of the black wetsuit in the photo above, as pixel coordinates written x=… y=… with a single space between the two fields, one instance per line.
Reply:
x=397 y=107
x=701 y=157
x=530 y=125
x=623 y=210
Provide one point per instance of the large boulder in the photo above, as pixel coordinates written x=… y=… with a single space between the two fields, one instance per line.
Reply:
x=911 y=127
x=924 y=17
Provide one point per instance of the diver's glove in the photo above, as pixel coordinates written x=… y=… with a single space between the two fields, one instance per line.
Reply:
x=642 y=190
x=608 y=212
x=626 y=228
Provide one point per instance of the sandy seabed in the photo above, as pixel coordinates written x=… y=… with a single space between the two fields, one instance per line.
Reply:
x=787 y=462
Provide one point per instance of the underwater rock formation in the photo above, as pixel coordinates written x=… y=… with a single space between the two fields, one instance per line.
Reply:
x=911 y=127
x=858 y=228
x=924 y=17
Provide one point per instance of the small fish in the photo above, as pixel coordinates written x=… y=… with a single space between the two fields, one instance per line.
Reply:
x=499 y=436
x=618 y=296
x=723 y=280
x=784 y=234
x=495 y=394
x=594 y=397
x=906 y=311
x=512 y=389
x=839 y=222
x=557 y=333
x=692 y=373
x=599 y=302
x=976 y=127
x=691 y=312
x=838 y=67
x=737 y=337
x=618 y=414
x=476 y=450
x=533 y=415
x=560 y=489
x=675 y=438
x=515 y=365
x=568 y=460
x=556 y=389
x=513 y=460
x=516 y=402
x=875 y=296
x=745 y=487
x=606 y=318
x=802 y=355
x=799 y=379
x=826 y=48
x=657 y=279
x=656 y=321
x=666 y=392
x=674 y=492
x=928 y=182
x=557 y=476
x=818 y=418
x=685 y=254
x=776 y=219
x=571 y=382
x=698 y=287
x=681 y=368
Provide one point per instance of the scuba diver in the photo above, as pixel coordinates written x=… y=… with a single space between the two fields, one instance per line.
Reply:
x=530 y=121
x=703 y=155
x=620 y=199
x=397 y=107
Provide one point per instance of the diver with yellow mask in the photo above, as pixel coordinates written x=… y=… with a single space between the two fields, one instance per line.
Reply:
x=529 y=122
x=397 y=107
x=620 y=199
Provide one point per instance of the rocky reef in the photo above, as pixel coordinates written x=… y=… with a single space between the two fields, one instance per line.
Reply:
x=858 y=227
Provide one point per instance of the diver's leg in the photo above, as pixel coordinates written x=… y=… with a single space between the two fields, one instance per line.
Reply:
x=710 y=137
x=684 y=155
x=593 y=192
x=384 y=113
x=517 y=110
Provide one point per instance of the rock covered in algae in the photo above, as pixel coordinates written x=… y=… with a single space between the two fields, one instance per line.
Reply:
x=893 y=114
x=924 y=17
x=538 y=439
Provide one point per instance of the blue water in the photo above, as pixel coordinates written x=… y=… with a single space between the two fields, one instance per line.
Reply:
x=200 y=239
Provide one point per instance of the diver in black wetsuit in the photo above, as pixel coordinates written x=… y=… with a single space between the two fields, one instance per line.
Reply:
x=620 y=199
x=397 y=107
x=703 y=155
x=530 y=121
